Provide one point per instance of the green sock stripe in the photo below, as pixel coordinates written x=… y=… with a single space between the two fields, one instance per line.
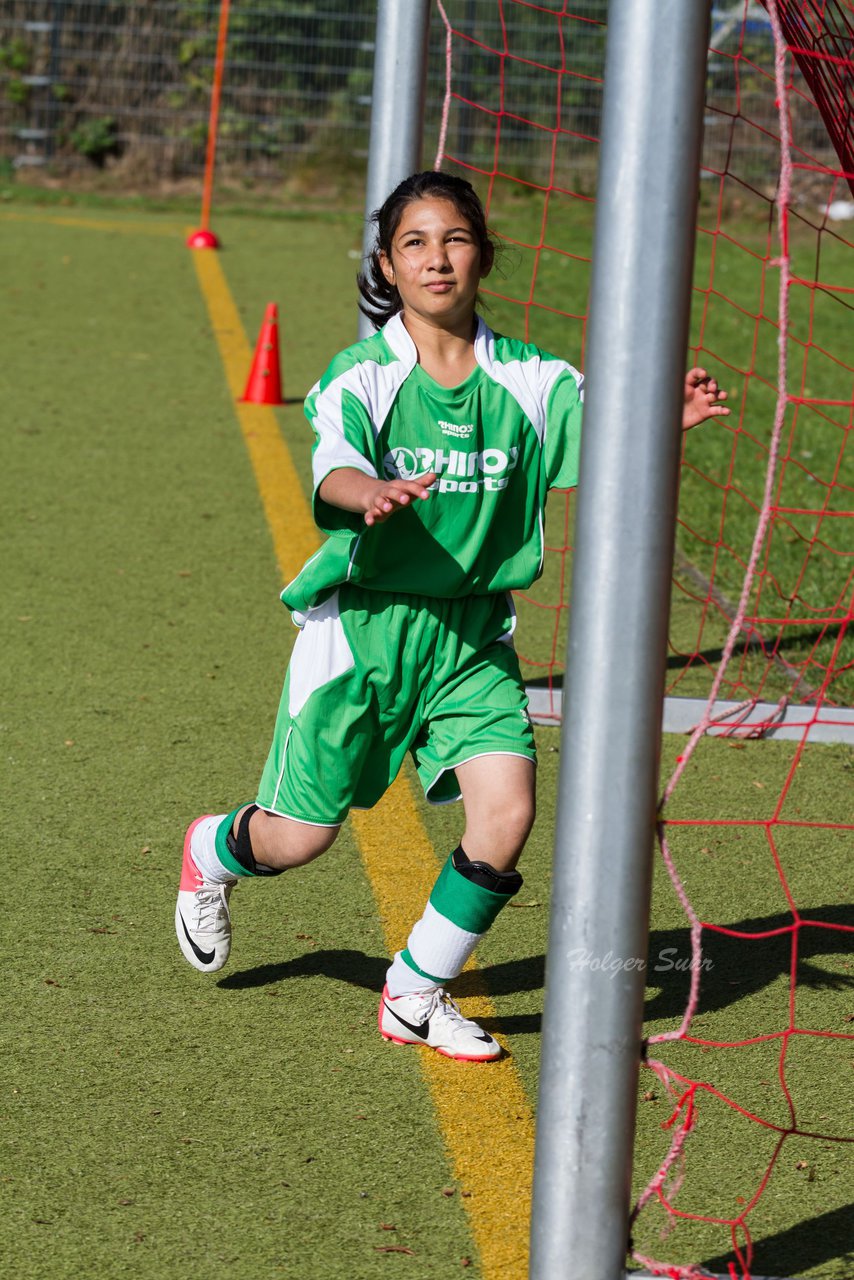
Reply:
x=406 y=957
x=223 y=852
x=468 y=906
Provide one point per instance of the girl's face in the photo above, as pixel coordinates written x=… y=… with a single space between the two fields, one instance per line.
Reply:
x=436 y=262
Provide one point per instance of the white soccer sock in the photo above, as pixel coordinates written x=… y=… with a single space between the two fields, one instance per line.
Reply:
x=456 y=917
x=204 y=854
x=438 y=947
x=403 y=981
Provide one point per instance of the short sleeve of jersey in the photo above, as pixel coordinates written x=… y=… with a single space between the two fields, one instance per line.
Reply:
x=347 y=409
x=563 y=431
x=343 y=437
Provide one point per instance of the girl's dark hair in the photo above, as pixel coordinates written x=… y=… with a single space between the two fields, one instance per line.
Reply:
x=381 y=299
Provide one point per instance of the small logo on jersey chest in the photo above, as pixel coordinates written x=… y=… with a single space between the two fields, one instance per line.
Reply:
x=458 y=430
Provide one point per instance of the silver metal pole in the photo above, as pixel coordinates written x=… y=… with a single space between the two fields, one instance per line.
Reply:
x=397 y=107
x=639 y=309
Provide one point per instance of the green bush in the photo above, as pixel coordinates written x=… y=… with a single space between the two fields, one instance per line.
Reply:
x=96 y=139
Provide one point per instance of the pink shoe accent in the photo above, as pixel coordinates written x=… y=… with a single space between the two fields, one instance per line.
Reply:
x=467 y=1057
x=191 y=876
x=384 y=1034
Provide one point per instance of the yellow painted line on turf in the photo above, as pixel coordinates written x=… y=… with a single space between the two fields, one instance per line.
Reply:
x=483 y=1111
x=93 y=224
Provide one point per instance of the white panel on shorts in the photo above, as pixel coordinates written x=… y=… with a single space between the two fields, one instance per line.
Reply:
x=507 y=637
x=321 y=653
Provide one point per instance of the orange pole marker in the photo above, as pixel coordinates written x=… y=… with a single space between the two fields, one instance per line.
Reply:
x=204 y=238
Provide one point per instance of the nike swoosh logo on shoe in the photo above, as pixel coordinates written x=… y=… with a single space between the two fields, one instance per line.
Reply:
x=206 y=957
x=487 y=1039
x=422 y=1030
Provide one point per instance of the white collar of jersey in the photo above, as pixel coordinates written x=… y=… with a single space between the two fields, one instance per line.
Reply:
x=397 y=337
x=484 y=345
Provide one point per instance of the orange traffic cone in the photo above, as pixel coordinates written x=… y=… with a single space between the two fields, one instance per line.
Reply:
x=264 y=384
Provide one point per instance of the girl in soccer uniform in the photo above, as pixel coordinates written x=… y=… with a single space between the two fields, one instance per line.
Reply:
x=436 y=443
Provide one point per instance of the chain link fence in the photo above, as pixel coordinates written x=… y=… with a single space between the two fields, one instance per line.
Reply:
x=88 y=85
x=126 y=87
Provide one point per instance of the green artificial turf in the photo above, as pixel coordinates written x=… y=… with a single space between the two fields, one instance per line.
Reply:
x=156 y=1121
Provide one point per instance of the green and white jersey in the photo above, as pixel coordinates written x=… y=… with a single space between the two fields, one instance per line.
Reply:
x=498 y=441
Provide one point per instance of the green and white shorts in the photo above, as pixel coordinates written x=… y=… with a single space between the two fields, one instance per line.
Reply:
x=375 y=674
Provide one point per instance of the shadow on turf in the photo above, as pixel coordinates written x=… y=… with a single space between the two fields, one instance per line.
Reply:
x=732 y=967
x=737 y=967
x=349 y=966
x=826 y=1238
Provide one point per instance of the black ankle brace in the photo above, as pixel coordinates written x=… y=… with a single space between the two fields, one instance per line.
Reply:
x=481 y=873
x=240 y=846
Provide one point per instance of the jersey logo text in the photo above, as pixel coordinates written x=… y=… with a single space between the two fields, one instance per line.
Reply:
x=459 y=430
x=458 y=471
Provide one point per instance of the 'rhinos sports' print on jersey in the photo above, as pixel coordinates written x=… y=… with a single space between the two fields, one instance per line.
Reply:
x=459 y=471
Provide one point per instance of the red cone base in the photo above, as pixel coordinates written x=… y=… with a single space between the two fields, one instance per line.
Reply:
x=202 y=239
x=264 y=384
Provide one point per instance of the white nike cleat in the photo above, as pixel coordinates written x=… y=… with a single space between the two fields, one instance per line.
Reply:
x=202 y=920
x=432 y=1018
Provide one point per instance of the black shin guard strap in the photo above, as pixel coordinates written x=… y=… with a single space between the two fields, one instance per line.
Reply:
x=481 y=873
x=240 y=846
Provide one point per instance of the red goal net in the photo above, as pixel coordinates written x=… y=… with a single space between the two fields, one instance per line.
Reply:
x=753 y=1046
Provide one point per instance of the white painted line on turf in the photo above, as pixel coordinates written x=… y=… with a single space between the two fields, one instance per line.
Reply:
x=680 y=715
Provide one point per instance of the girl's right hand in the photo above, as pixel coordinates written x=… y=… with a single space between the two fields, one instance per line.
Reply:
x=391 y=495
